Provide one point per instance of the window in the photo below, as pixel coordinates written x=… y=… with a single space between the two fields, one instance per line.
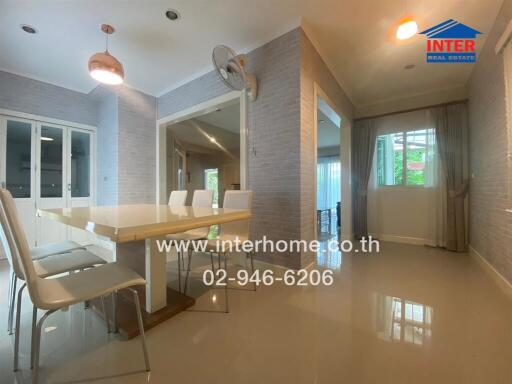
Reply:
x=211 y=182
x=403 y=158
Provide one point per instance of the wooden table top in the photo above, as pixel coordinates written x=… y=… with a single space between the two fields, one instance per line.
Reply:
x=123 y=223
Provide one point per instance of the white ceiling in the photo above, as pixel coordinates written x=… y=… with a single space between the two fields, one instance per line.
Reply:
x=227 y=118
x=223 y=126
x=355 y=38
x=328 y=132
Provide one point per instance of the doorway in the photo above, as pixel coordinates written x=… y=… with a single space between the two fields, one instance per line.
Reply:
x=328 y=172
x=46 y=165
x=207 y=152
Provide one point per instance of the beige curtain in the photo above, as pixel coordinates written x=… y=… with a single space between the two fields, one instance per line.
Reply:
x=452 y=140
x=363 y=147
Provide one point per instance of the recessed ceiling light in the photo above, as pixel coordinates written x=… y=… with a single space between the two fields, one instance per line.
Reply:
x=410 y=66
x=28 y=29
x=406 y=29
x=172 y=14
x=321 y=121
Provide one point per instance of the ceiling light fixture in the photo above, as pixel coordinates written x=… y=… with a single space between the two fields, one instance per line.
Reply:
x=28 y=29
x=104 y=67
x=406 y=29
x=44 y=138
x=172 y=14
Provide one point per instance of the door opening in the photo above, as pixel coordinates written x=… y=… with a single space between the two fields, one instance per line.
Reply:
x=328 y=176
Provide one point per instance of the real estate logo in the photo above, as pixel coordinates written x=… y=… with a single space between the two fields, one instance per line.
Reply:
x=451 y=42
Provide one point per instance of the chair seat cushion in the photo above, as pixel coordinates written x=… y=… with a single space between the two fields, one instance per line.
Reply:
x=193 y=234
x=53 y=248
x=65 y=262
x=87 y=285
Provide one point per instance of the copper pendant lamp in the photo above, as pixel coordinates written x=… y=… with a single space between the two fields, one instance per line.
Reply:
x=104 y=67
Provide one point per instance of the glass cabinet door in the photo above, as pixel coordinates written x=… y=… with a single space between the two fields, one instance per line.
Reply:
x=17 y=169
x=80 y=164
x=18 y=158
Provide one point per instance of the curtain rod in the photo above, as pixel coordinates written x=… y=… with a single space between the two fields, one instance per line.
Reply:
x=412 y=110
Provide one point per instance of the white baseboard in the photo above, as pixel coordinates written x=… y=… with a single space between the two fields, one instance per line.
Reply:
x=399 y=239
x=498 y=278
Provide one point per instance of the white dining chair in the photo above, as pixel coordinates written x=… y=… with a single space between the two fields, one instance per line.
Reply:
x=63 y=291
x=231 y=232
x=178 y=198
x=50 y=265
x=202 y=198
x=37 y=253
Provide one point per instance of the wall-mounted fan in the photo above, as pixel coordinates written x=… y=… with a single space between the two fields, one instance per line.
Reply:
x=230 y=68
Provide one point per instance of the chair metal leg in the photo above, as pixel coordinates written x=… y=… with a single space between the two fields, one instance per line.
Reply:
x=9 y=290
x=226 y=286
x=33 y=336
x=114 y=311
x=188 y=271
x=141 y=328
x=12 y=300
x=213 y=265
x=251 y=254
x=105 y=313
x=182 y=258
x=37 y=345
x=179 y=271
x=17 y=330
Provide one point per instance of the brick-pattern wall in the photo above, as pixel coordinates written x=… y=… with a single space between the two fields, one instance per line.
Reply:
x=22 y=94
x=106 y=146
x=490 y=226
x=273 y=136
x=274 y=144
x=313 y=70
x=136 y=147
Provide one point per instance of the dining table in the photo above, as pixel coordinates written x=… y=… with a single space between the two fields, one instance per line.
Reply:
x=135 y=230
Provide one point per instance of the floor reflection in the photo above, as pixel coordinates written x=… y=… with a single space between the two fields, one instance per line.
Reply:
x=400 y=320
x=329 y=255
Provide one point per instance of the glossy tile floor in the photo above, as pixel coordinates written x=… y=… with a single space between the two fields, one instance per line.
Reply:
x=410 y=314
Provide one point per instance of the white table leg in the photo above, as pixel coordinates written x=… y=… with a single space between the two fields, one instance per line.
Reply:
x=156 y=276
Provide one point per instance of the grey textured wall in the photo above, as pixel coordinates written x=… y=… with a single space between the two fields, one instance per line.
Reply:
x=136 y=146
x=126 y=145
x=194 y=92
x=107 y=146
x=489 y=196
x=274 y=137
x=274 y=144
x=22 y=94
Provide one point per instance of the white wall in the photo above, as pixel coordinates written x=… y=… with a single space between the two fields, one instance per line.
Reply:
x=398 y=214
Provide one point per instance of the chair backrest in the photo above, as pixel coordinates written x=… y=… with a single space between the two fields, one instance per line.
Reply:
x=177 y=198
x=8 y=244
x=236 y=200
x=202 y=198
x=22 y=250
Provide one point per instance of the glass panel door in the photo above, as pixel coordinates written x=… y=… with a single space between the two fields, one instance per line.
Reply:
x=51 y=179
x=17 y=169
x=80 y=177
x=80 y=164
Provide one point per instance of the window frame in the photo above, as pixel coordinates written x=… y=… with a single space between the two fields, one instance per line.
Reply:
x=404 y=185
